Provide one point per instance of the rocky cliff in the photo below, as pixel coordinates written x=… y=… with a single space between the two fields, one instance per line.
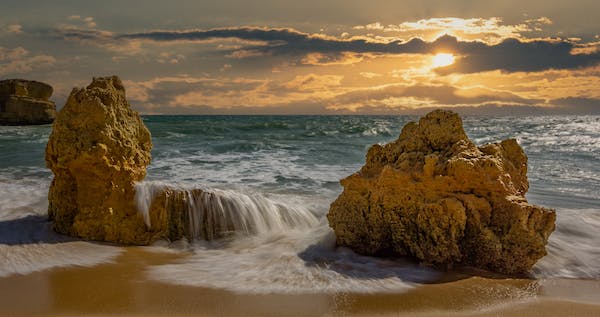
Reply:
x=98 y=149
x=25 y=102
x=434 y=195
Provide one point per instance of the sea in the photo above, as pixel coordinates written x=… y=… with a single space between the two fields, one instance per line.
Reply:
x=278 y=175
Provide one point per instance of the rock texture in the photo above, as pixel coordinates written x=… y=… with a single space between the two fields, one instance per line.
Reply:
x=98 y=149
x=434 y=195
x=24 y=102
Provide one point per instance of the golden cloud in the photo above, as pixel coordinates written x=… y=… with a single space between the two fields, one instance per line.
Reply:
x=491 y=30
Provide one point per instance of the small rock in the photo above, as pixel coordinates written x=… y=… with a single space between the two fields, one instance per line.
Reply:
x=24 y=102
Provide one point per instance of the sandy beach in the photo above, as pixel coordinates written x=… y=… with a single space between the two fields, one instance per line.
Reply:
x=122 y=289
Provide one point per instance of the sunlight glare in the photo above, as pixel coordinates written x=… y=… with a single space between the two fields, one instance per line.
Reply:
x=442 y=59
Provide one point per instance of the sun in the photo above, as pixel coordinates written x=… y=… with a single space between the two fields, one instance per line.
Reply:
x=442 y=59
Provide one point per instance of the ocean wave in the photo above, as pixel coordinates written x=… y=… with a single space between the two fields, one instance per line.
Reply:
x=295 y=262
x=29 y=258
x=24 y=193
x=272 y=171
x=28 y=244
x=270 y=125
x=540 y=134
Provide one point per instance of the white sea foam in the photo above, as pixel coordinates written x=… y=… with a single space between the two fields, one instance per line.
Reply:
x=23 y=196
x=279 y=171
x=28 y=244
x=28 y=258
x=298 y=261
x=574 y=247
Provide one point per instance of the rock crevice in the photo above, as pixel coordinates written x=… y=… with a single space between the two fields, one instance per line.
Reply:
x=434 y=195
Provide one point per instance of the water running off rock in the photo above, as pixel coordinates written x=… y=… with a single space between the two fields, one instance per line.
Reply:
x=207 y=214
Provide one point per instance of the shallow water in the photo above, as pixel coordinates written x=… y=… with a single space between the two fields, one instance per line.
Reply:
x=276 y=165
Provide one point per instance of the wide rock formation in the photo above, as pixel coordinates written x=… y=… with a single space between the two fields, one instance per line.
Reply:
x=98 y=149
x=434 y=195
x=24 y=102
x=207 y=214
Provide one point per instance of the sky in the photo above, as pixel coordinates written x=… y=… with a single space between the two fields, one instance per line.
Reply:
x=314 y=56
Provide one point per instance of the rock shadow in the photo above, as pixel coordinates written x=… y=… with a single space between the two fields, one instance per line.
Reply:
x=30 y=230
x=344 y=261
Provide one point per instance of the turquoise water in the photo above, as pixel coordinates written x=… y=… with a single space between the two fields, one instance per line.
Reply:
x=296 y=162
x=307 y=154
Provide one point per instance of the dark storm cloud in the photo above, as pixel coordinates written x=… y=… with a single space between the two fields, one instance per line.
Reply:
x=510 y=55
x=279 y=40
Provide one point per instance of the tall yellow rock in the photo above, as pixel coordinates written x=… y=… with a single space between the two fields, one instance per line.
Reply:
x=434 y=195
x=98 y=149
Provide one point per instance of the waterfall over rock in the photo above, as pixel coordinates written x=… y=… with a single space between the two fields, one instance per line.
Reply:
x=208 y=214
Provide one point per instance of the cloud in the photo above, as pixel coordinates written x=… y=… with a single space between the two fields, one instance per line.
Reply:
x=425 y=95
x=547 y=85
x=172 y=94
x=312 y=82
x=244 y=70
x=170 y=58
x=225 y=67
x=512 y=55
x=369 y=75
x=175 y=91
x=509 y=55
x=245 y=53
x=19 y=61
x=99 y=38
x=325 y=59
x=307 y=94
x=310 y=92
x=14 y=29
x=578 y=105
x=587 y=48
x=491 y=30
x=311 y=108
x=86 y=21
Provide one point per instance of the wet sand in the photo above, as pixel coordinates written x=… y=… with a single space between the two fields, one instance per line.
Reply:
x=122 y=289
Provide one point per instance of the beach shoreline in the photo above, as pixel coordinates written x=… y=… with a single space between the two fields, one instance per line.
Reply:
x=123 y=288
x=296 y=271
